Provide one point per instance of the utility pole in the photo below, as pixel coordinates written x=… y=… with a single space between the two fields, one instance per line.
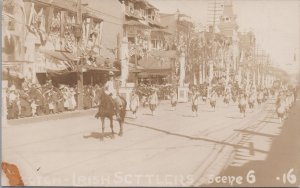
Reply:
x=79 y=63
x=212 y=8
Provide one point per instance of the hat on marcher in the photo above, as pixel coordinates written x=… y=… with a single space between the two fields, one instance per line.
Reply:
x=111 y=73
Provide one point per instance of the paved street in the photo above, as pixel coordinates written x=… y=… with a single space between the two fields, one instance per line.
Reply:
x=171 y=148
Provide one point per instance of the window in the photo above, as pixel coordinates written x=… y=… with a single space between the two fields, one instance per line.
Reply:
x=153 y=44
x=131 y=40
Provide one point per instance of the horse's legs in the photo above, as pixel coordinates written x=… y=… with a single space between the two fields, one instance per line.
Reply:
x=102 y=123
x=112 y=127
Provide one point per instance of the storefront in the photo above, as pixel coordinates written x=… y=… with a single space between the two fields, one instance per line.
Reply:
x=158 y=67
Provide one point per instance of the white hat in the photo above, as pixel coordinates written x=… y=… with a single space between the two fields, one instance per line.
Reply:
x=111 y=73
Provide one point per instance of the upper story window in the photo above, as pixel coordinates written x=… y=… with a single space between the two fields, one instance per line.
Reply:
x=226 y=19
x=131 y=7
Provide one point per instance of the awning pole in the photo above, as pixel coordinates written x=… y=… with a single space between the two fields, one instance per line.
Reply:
x=79 y=66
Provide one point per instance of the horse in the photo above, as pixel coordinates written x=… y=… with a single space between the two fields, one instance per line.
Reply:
x=242 y=105
x=195 y=102
x=134 y=104
x=107 y=109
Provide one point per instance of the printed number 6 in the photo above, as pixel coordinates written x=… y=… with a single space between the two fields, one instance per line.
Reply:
x=291 y=177
x=251 y=177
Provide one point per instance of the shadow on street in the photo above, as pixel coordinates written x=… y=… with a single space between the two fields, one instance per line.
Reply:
x=282 y=158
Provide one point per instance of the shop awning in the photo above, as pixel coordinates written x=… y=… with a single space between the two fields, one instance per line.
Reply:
x=136 y=23
x=60 y=55
x=163 y=31
x=155 y=23
x=164 y=54
x=153 y=64
x=100 y=68
x=148 y=74
x=135 y=68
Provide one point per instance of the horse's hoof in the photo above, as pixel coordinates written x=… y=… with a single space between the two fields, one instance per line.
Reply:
x=120 y=134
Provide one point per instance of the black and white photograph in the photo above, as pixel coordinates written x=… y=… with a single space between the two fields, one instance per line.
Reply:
x=150 y=93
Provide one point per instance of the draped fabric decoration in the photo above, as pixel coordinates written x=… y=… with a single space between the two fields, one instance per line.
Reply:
x=57 y=62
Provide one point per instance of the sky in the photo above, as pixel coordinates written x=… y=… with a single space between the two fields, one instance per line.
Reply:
x=276 y=24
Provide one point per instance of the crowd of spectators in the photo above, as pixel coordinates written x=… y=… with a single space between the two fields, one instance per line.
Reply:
x=37 y=100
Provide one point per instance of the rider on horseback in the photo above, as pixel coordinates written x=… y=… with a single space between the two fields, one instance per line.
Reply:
x=111 y=89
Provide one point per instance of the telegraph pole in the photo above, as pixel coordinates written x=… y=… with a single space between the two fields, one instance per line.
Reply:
x=214 y=14
x=79 y=63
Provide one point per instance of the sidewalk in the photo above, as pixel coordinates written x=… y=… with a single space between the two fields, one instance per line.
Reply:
x=282 y=158
x=63 y=115
x=49 y=117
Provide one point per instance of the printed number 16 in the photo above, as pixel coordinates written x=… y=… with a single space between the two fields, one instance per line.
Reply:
x=290 y=177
